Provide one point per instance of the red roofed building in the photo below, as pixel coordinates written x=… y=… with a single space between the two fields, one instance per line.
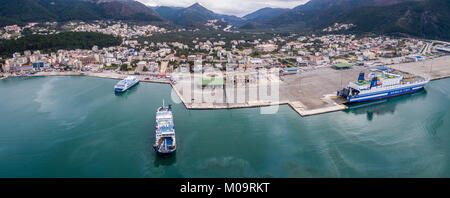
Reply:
x=26 y=67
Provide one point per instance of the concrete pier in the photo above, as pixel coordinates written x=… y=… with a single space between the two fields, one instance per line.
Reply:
x=300 y=109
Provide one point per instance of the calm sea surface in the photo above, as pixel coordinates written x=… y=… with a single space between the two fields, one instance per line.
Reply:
x=77 y=127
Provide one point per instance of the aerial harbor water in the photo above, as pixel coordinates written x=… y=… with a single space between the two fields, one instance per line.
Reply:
x=78 y=127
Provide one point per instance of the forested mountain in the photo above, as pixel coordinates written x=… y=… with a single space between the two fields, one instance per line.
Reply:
x=264 y=14
x=421 y=18
x=54 y=42
x=427 y=19
x=21 y=11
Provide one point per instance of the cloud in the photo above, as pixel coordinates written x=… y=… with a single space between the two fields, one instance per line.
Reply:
x=232 y=7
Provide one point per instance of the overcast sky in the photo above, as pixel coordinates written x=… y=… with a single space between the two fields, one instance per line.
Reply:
x=232 y=7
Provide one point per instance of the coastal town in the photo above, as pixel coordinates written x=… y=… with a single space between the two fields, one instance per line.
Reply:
x=287 y=55
x=239 y=90
x=279 y=52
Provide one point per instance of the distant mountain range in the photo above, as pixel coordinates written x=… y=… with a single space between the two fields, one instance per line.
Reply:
x=422 y=18
x=194 y=16
x=19 y=11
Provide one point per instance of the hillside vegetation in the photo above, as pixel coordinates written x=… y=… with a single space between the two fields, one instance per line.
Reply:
x=51 y=43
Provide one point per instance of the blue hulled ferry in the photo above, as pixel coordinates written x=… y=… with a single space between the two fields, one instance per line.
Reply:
x=125 y=84
x=379 y=85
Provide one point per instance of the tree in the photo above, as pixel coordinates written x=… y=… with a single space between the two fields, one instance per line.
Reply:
x=124 y=67
x=27 y=31
x=51 y=43
x=134 y=63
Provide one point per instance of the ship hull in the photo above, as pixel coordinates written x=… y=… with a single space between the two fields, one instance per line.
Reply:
x=164 y=154
x=119 y=90
x=386 y=94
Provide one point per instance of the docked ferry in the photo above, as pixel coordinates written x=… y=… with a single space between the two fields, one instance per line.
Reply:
x=165 y=142
x=379 y=85
x=125 y=84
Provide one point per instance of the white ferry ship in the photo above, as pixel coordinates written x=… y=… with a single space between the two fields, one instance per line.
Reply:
x=125 y=84
x=379 y=85
x=165 y=142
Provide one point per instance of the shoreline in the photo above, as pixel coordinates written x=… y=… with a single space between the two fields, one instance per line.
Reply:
x=297 y=105
x=440 y=78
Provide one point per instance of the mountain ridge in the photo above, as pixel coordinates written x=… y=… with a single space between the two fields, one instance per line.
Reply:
x=264 y=14
x=194 y=16
x=426 y=19
x=420 y=18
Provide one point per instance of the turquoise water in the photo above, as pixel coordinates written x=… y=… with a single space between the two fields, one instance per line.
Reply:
x=77 y=127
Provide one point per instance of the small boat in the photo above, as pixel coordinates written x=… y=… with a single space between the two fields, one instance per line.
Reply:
x=165 y=142
x=125 y=84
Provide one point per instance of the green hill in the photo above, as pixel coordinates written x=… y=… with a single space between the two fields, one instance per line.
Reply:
x=264 y=14
x=22 y=11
